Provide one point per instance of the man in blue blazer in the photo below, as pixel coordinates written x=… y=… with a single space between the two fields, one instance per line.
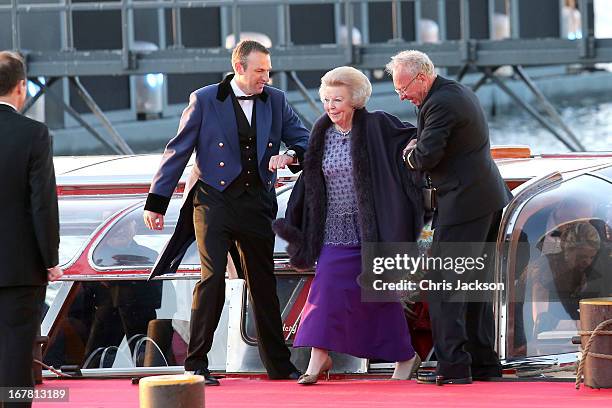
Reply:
x=236 y=128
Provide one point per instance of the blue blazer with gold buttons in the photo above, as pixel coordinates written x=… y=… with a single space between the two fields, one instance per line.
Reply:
x=208 y=126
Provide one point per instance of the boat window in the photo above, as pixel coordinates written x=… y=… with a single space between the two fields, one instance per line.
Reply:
x=280 y=245
x=80 y=217
x=606 y=172
x=136 y=323
x=560 y=253
x=104 y=324
x=129 y=243
x=292 y=292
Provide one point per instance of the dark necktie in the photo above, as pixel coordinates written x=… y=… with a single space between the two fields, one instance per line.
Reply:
x=248 y=98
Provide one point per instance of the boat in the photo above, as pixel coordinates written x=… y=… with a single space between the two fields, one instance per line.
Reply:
x=102 y=198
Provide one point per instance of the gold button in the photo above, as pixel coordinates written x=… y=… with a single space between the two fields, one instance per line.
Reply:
x=221 y=164
x=247 y=184
x=250 y=159
x=250 y=139
x=248 y=147
x=220 y=144
x=269 y=144
x=248 y=171
x=222 y=182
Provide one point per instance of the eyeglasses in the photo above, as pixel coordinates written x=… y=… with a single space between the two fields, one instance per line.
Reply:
x=404 y=89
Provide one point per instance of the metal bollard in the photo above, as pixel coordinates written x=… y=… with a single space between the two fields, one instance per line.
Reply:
x=180 y=391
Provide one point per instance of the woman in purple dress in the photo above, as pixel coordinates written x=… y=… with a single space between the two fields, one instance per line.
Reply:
x=354 y=189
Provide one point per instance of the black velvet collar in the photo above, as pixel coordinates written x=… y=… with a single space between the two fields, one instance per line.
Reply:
x=7 y=108
x=225 y=88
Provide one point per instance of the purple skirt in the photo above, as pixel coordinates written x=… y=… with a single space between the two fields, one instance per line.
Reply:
x=334 y=318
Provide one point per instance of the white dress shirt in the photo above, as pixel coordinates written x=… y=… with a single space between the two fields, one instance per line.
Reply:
x=246 y=105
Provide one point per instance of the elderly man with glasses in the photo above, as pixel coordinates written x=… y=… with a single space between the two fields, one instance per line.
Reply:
x=452 y=147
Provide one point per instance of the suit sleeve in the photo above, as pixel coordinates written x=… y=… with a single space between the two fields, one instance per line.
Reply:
x=175 y=158
x=439 y=123
x=43 y=199
x=295 y=135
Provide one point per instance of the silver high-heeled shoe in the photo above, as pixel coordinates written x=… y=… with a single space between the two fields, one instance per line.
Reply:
x=309 y=379
x=416 y=364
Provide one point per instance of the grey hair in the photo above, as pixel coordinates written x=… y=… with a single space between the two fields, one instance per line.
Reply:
x=358 y=84
x=415 y=62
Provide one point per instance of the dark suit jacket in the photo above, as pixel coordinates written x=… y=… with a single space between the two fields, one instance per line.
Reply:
x=29 y=237
x=453 y=148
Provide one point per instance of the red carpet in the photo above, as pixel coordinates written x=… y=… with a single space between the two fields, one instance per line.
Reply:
x=253 y=393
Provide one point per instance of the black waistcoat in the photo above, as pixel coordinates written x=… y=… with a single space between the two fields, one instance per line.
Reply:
x=249 y=179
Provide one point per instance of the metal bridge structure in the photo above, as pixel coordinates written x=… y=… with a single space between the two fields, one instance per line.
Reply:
x=309 y=36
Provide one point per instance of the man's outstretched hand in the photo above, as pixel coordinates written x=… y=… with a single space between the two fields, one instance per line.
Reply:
x=153 y=220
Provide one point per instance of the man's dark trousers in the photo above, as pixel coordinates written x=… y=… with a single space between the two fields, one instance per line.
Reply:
x=20 y=318
x=221 y=218
x=464 y=331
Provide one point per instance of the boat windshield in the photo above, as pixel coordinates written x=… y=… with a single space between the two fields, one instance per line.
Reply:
x=80 y=217
x=561 y=252
x=129 y=244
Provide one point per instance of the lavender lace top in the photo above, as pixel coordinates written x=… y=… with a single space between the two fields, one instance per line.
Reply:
x=342 y=222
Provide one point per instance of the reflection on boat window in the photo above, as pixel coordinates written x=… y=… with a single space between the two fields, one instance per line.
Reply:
x=124 y=324
x=104 y=323
x=50 y=295
x=606 y=172
x=288 y=289
x=80 y=216
x=562 y=253
x=129 y=243
x=280 y=245
x=119 y=246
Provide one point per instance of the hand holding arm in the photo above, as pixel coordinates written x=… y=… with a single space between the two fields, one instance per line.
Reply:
x=409 y=147
x=280 y=162
x=439 y=122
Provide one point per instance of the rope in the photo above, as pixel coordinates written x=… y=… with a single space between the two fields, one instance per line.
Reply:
x=604 y=356
x=589 y=332
x=587 y=349
x=53 y=370
x=547 y=370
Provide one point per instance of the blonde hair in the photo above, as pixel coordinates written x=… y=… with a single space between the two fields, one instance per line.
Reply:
x=358 y=84
x=415 y=62
x=244 y=48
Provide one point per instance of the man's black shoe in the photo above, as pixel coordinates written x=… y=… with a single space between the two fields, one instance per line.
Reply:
x=487 y=374
x=430 y=377
x=294 y=375
x=208 y=378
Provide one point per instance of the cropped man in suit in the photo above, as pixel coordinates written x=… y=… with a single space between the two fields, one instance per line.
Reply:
x=236 y=128
x=453 y=148
x=29 y=237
